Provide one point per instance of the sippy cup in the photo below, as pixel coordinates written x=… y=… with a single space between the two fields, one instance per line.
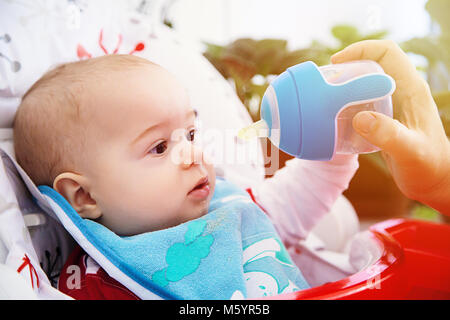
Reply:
x=307 y=111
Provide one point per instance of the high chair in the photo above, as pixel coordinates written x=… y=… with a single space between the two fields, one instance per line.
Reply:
x=395 y=259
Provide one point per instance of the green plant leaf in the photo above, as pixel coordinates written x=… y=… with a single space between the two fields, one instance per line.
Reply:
x=442 y=100
x=439 y=12
x=375 y=36
x=420 y=211
x=271 y=44
x=376 y=159
x=214 y=50
x=434 y=48
x=258 y=89
x=346 y=34
x=426 y=47
x=214 y=54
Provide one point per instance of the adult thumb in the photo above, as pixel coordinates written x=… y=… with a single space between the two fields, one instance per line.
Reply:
x=386 y=133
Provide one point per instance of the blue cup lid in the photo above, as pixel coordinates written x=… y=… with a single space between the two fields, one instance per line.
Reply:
x=306 y=106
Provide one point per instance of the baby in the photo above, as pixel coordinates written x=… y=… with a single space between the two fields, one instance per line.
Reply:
x=115 y=136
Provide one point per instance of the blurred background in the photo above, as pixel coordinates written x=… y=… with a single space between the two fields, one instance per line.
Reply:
x=251 y=41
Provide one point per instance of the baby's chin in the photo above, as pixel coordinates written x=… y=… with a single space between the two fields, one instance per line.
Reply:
x=194 y=210
x=199 y=212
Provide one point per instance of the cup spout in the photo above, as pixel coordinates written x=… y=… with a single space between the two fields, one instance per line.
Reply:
x=258 y=129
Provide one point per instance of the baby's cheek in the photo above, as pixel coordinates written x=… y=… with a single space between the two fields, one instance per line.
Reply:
x=159 y=195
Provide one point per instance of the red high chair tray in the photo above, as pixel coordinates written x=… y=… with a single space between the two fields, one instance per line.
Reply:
x=415 y=264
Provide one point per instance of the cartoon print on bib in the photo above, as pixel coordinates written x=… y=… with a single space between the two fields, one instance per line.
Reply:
x=264 y=263
x=183 y=258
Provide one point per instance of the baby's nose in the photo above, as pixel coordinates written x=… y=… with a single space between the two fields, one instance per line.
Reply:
x=190 y=154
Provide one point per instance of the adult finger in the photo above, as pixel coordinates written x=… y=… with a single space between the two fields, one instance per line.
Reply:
x=386 y=53
x=390 y=135
x=413 y=95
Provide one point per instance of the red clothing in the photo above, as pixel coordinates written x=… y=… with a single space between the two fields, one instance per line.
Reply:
x=83 y=279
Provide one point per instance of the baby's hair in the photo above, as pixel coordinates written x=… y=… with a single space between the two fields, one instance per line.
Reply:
x=48 y=127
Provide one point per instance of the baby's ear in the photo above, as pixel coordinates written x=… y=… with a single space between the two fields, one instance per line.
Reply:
x=73 y=187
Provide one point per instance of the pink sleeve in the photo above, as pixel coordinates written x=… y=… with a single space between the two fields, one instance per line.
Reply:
x=302 y=192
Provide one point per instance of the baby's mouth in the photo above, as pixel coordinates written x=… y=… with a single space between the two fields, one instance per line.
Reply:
x=201 y=189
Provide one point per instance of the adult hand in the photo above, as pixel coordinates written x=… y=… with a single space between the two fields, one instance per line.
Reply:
x=414 y=146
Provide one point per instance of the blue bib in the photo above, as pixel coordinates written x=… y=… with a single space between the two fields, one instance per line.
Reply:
x=231 y=252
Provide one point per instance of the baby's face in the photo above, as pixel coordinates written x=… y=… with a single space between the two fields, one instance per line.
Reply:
x=145 y=172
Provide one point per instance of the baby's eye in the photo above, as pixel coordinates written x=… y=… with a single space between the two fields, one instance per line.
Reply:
x=159 y=149
x=191 y=135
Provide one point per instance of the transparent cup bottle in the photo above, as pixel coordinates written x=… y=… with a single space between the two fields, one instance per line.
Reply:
x=348 y=140
x=307 y=111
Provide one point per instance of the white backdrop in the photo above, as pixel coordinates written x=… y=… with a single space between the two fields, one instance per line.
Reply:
x=298 y=21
